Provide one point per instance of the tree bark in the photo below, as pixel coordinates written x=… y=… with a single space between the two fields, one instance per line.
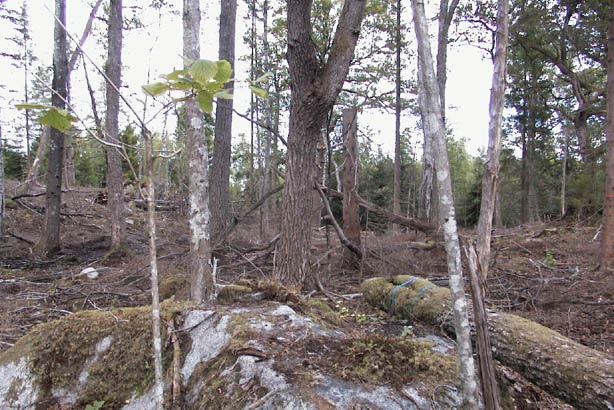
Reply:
x=351 y=217
x=396 y=192
x=113 y=71
x=568 y=370
x=51 y=236
x=314 y=89
x=491 y=168
x=153 y=263
x=2 y=209
x=435 y=131
x=607 y=235
x=220 y=166
x=202 y=279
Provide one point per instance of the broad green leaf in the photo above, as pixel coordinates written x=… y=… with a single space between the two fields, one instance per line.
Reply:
x=183 y=85
x=175 y=75
x=223 y=95
x=260 y=92
x=32 y=107
x=263 y=78
x=61 y=121
x=224 y=71
x=205 y=101
x=202 y=71
x=214 y=87
x=155 y=89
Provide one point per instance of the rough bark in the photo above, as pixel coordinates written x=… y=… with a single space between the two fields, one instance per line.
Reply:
x=607 y=235
x=219 y=193
x=435 y=132
x=153 y=263
x=202 y=279
x=113 y=70
x=351 y=217
x=314 y=89
x=491 y=168
x=51 y=235
x=568 y=370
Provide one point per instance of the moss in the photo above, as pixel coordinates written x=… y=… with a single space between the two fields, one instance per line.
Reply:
x=174 y=285
x=319 y=309
x=378 y=359
x=60 y=349
x=230 y=294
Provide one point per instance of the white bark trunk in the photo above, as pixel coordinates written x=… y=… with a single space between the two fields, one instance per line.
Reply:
x=435 y=132
x=491 y=171
x=202 y=280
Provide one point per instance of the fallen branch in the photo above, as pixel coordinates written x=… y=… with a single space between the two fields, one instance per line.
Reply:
x=344 y=240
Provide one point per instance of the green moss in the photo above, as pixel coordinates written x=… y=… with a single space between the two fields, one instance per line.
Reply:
x=58 y=351
x=319 y=309
x=230 y=294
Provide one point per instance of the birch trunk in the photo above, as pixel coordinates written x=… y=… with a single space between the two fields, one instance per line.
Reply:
x=153 y=261
x=202 y=280
x=51 y=234
x=113 y=70
x=435 y=132
x=222 y=144
x=491 y=168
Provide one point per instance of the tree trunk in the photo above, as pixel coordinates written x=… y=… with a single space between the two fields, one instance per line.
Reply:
x=113 y=70
x=41 y=150
x=314 y=90
x=202 y=279
x=153 y=263
x=396 y=193
x=51 y=236
x=434 y=131
x=2 y=209
x=491 y=168
x=220 y=167
x=607 y=235
x=351 y=217
x=446 y=13
x=568 y=370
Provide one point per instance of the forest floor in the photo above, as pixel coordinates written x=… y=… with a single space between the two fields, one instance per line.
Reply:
x=545 y=272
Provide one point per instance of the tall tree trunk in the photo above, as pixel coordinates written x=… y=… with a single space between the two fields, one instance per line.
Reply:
x=446 y=13
x=607 y=235
x=2 y=209
x=41 y=150
x=51 y=236
x=351 y=216
x=491 y=168
x=202 y=279
x=269 y=121
x=396 y=194
x=314 y=90
x=434 y=130
x=220 y=167
x=113 y=71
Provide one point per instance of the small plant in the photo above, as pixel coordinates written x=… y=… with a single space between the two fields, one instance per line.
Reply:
x=97 y=405
x=408 y=332
x=549 y=259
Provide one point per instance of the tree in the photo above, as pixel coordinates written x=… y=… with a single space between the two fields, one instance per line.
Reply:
x=607 y=235
x=434 y=131
x=491 y=168
x=51 y=236
x=315 y=86
x=396 y=196
x=113 y=71
x=202 y=279
x=351 y=217
x=1 y=186
x=220 y=167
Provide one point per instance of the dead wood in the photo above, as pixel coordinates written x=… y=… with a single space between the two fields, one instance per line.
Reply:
x=412 y=223
x=579 y=375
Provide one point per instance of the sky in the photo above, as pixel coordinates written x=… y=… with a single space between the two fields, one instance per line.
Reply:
x=156 y=49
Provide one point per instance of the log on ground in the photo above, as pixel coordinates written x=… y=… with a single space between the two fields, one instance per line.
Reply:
x=579 y=375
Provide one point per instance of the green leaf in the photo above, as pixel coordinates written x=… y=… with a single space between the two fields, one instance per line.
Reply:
x=205 y=101
x=223 y=95
x=202 y=71
x=32 y=106
x=260 y=92
x=175 y=75
x=224 y=71
x=263 y=78
x=156 y=89
x=61 y=120
x=183 y=85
